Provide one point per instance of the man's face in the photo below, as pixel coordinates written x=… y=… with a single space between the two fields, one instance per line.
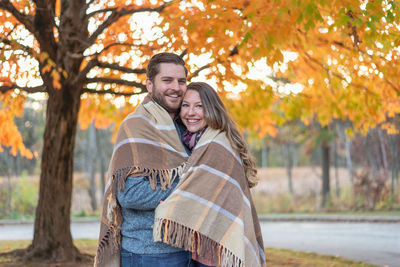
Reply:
x=168 y=87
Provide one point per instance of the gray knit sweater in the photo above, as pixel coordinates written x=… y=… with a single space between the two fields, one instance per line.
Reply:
x=138 y=202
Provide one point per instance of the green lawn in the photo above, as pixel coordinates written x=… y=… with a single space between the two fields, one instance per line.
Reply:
x=275 y=257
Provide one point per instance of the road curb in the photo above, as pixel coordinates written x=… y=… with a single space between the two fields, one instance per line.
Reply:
x=262 y=218
x=31 y=221
x=329 y=218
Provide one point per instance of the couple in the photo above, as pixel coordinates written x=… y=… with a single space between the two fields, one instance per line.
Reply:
x=178 y=190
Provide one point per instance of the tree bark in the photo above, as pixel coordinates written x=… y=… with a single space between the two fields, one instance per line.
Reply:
x=325 y=173
x=372 y=154
x=289 y=166
x=101 y=162
x=383 y=150
x=52 y=238
x=264 y=155
x=92 y=151
x=336 y=163
x=348 y=157
x=394 y=147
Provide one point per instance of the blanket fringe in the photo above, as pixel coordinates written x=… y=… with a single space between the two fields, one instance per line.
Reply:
x=113 y=236
x=164 y=177
x=177 y=235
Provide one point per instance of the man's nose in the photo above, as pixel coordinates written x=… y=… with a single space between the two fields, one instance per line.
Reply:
x=175 y=85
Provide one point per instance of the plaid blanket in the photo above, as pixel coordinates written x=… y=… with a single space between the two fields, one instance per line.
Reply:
x=147 y=144
x=211 y=212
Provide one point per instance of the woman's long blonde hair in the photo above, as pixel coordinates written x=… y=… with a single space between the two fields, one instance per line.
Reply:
x=218 y=118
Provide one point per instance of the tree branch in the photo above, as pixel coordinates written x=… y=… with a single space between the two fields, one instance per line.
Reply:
x=81 y=77
x=196 y=73
x=356 y=38
x=89 y=3
x=338 y=75
x=117 y=13
x=31 y=90
x=109 y=91
x=27 y=20
x=115 y=44
x=340 y=44
x=117 y=81
x=115 y=66
x=95 y=62
x=20 y=46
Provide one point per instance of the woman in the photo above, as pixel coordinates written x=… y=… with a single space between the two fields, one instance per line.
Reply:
x=222 y=228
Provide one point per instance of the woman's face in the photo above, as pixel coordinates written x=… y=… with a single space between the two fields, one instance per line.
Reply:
x=192 y=111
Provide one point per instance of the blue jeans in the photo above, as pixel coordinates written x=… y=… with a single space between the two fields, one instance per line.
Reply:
x=175 y=259
x=198 y=264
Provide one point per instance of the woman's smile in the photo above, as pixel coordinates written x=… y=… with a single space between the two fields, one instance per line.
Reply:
x=192 y=112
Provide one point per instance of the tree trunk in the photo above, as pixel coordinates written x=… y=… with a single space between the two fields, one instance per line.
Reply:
x=52 y=240
x=9 y=183
x=101 y=162
x=92 y=151
x=394 y=147
x=264 y=155
x=289 y=166
x=383 y=151
x=372 y=155
x=335 y=159
x=348 y=157
x=325 y=173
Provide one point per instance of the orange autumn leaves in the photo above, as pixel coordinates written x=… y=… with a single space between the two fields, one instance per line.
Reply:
x=347 y=58
x=11 y=106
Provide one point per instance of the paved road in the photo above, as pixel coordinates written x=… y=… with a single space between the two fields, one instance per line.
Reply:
x=376 y=243
x=80 y=229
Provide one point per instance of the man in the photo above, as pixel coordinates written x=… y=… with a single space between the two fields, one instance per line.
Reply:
x=147 y=160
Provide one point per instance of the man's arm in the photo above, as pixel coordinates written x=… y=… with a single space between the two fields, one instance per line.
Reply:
x=139 y=195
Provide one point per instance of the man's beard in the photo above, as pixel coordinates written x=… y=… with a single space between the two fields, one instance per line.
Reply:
x=160 y=99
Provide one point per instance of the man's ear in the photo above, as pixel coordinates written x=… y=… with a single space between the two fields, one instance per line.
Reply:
x=149 y=86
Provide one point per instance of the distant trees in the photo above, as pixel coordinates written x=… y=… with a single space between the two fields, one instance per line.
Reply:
x=375 y=155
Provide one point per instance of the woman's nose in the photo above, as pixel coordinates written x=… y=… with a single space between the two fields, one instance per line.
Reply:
x=191 y=111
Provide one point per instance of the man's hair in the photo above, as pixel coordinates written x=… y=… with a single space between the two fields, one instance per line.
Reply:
x=217 y=117
x=153 y=68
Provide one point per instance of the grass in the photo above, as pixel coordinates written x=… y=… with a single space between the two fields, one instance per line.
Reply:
x=275 y=257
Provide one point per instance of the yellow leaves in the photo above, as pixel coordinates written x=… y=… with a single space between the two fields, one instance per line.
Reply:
x=252 y=109
x=95 y=108
x=267 y=125
x=56 y=79
x=43 y=56
x=58 y=8
x=9 y=135
x=390 y=128
x=49 y=66
x=103 y=110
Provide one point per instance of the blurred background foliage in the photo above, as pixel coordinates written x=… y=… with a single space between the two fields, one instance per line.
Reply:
x=363 y=169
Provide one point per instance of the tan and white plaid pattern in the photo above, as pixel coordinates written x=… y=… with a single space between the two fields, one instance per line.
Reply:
x=211 y=211
x=147 y=144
